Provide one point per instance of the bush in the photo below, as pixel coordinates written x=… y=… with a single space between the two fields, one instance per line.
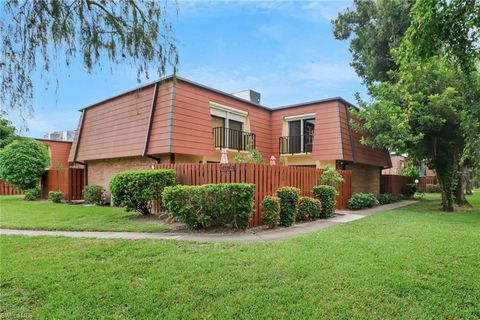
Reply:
x=55 y=196
x=386 y=198
x=308 y=208
x=288 y=204
x=23 y=162
x=208 y=205
x=330 y=177
x=93 y=193
x=271 y=211
x=409 y=190
x=32 y=194
x=135 y=189
x=327 y=196
x=362 y=200
x=433 y=188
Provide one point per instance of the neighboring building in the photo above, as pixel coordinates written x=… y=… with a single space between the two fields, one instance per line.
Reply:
x=186 y=122
x=399 y=163
x=65 y=135
x=58 y=151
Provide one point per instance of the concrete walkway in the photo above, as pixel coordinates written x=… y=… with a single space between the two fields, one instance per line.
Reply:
x=342 y=216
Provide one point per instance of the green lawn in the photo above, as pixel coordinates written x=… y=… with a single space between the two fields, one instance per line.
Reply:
x=411 y=263
x=15 y=213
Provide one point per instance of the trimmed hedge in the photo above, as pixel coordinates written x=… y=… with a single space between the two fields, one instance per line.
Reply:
x=93 y=193
x=409 y=190
x=328 y=198
x=386 y=198
x=135 y=189
x=209 y=205
x=32 y=194
x=362 y=200
x=433 y=188
x=308 y=208
x=288 y=204
x=55 y=196
x=271 y=211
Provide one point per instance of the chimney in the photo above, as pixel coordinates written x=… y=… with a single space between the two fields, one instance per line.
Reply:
x=250 y=95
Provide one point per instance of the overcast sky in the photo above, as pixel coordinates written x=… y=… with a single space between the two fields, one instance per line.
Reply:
x=284 y=50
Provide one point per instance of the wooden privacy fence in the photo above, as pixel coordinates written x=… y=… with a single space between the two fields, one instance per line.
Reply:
x=68 y=180
x=8 y=190
x=391 y=183
x=267 y=179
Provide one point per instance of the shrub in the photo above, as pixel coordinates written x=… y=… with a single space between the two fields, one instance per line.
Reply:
x=226 y=204
x=55 y=196
x=409 y=190
x=288 y=204
x=32 y=194
x=327 y=196
x=135 y=189
x=330 y=177
x=93 y=193
x=271 y=211
x=308 y=208
x=362 y=200
x=433 y=188
x=23 y=162
x=385 y=198
x=254 y=156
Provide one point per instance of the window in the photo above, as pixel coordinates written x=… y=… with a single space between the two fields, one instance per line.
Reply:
x=228 y=126
x=300 y=135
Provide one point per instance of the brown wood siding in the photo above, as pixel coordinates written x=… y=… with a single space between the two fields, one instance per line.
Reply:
x=192 y=127
x=59 y=152
x=327 y=136
x=345 y=131
x=368 y=155
x=160 y=131
x=116 y=127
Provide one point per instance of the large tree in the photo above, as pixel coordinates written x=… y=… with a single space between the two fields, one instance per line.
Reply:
x=38 y=34
x=7 y=131
x=373 y=28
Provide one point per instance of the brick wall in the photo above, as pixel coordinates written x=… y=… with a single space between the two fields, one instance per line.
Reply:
x=102 y=171
x=365 y=178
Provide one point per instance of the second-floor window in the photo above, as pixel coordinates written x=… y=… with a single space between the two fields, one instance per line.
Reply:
x=229 y=130
x=299 y=138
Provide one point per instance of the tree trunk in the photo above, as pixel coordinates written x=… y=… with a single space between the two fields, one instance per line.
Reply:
x=447 y=196
x=468 y=182
x=460 y=187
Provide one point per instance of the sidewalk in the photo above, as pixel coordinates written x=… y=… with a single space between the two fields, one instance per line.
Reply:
x=343 y=216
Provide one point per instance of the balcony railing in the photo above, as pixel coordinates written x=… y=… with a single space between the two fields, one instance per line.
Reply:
x=296 y=144
x=225 y=138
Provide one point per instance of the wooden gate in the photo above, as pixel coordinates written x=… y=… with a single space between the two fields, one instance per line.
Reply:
x=68 y=180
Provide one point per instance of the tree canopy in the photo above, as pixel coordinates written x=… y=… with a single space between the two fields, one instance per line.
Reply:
x=23 y=162
x=35 y=34
x=7 y=131
x=373 y=28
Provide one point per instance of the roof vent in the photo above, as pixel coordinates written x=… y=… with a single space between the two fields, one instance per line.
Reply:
x=250 y=95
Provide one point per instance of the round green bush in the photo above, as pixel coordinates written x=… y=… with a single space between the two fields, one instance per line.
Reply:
x=409 y=190
x=209 y=205
x=93 y=193
x=271 y=211
x=308 y=209
x=328 y=198
x=55 y=196
x=23 y=162
x=362 y=200
x=135 y=189
x=32 y=194
x=288 y=204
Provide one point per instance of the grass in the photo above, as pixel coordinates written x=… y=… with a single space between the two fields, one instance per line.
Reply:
x=410 y=263
x=15 y=213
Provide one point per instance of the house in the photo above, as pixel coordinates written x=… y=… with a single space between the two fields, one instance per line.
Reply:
x=399 y=163
x=59 y=152
x=64 y=135
x=176 y=120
